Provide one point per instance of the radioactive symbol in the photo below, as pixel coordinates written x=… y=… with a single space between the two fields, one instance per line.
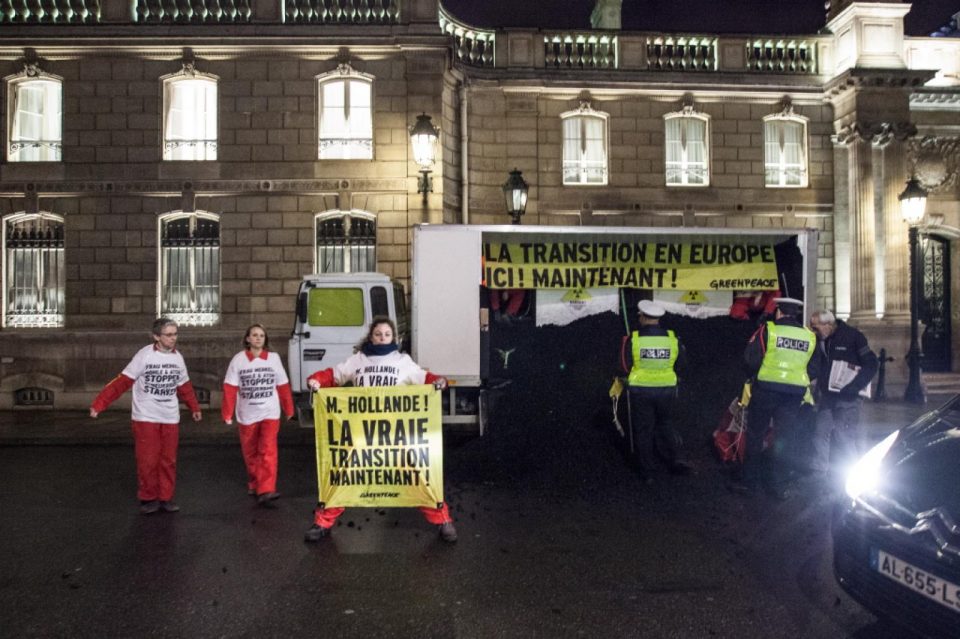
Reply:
x=694 y=297
x=577 y=295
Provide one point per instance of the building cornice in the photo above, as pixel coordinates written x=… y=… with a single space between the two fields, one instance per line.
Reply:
x=214 y=48
x=935 y=100
x=657 y=91
x=858 y=79
x=203 y=188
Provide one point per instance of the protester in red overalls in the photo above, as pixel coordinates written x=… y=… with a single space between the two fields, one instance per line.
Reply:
x=158 y=376
x=256 y=378
x=378 y=352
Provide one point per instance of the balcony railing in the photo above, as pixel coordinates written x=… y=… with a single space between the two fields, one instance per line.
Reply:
x=580 y=51
x=681 y=53
x=782 y=56
x=193 y=11
x=342 y=11
x=50 y=11
x=475 y=47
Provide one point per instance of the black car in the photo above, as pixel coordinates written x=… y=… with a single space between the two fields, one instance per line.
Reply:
x=896 y=536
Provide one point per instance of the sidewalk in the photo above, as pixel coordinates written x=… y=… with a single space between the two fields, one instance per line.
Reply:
x=73 y=428
x=77 y=428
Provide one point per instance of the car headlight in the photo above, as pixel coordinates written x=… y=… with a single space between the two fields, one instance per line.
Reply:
x=865 y=474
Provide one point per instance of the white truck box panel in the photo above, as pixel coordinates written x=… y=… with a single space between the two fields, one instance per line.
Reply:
x=446 y=300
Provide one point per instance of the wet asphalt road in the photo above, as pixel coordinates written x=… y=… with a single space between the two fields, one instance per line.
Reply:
x=557 y=540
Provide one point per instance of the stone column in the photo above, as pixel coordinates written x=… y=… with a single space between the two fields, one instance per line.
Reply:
x=894 y=229
x=862 y=223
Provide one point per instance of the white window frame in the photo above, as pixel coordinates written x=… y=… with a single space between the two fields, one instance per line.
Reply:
x=776 y=168
x=680 y=172
x=195 y=138
x=48 y=263
x=202 y=305
x=344 y=258
x=45 y=145
x=348 y=133
x=578 y=163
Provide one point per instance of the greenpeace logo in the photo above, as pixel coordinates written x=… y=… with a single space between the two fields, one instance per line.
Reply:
x=655 y=353
x=793 y=344
x=369 y=495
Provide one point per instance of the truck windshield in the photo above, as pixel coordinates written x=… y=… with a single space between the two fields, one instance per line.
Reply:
x=335 y=307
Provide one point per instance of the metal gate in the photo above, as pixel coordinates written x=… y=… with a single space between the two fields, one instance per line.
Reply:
x=935 y=304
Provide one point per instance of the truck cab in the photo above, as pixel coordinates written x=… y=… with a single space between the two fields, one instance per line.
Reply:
x=332 y=316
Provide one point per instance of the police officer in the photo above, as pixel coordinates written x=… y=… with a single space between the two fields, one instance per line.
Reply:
x=782 y=358
x=652 y=387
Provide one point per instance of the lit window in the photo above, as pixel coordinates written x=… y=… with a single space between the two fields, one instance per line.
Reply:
x=190 y=268
x=687 y=146
x=190 y=116
x=584 y=146
x=35 y=124
x=33 y=270
x=785 y=149
x=346 y=115
x=346 y=242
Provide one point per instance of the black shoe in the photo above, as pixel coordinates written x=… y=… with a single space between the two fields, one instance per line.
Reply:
x=781 y=493
x=315 y=533
x=169 y=507
x=267 y=500
x=149 y=507
x=448 y=532
x=681 y=467
x=740 y=488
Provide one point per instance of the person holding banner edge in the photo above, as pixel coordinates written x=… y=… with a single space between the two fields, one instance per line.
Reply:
x=256 y=376
x=158 y=376
x=378 y=362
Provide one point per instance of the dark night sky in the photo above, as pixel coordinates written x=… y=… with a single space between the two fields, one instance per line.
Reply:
x=687 y=16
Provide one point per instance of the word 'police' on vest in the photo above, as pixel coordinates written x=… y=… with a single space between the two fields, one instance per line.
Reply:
x=792 y=343
x=655 y=353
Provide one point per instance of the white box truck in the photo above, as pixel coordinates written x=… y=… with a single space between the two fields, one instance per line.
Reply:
x=454 y=266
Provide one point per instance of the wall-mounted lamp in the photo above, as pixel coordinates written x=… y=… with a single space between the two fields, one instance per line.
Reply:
x=423 y=138
x=515 y=191
x=913 y=206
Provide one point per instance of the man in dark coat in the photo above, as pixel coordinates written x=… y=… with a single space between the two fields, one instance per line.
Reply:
x=847 y=367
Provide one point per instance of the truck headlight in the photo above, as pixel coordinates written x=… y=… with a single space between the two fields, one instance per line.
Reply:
x=864 y=475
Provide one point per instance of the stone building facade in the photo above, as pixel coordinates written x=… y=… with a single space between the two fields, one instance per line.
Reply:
x=131 y=209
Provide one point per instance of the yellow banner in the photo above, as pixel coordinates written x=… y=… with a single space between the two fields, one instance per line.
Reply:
x=379 y=446
x=651 y=265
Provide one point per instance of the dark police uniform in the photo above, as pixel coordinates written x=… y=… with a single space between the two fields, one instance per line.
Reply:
x=652 y=387
x=782 y=355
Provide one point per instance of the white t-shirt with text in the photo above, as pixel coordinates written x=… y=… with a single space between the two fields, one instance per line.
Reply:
x=392 y=369
x=256 y=381
x=156 y=375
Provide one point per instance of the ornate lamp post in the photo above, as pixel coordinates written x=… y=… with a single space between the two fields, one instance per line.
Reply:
x=913 y=204
x=423 y=138
x=515 y=191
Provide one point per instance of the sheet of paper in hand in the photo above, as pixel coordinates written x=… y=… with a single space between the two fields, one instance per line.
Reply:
x=841 y=374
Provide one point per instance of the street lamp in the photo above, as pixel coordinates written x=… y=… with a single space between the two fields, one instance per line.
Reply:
x=913 y=204
x=423 y=138
x=515 y=191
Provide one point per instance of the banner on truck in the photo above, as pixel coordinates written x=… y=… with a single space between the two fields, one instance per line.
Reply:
x=649 y=265
x=379 y=446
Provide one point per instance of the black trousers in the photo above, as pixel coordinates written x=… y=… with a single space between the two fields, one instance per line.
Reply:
x=771 y=466
x=652 y=413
